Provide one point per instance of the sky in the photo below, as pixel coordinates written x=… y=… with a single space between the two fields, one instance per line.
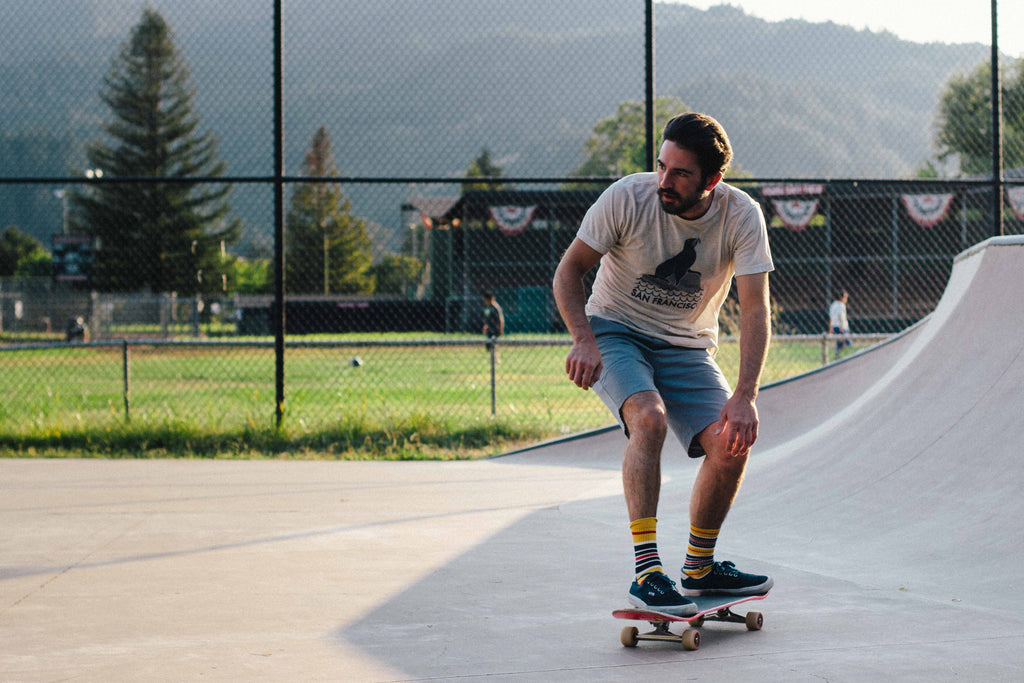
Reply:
x=923 y=21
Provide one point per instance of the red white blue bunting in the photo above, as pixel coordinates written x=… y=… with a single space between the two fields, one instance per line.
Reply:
x=795 y=214
x=927 y=209
x=512 y=220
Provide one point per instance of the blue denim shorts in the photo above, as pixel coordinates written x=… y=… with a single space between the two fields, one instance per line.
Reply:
x=689 y=380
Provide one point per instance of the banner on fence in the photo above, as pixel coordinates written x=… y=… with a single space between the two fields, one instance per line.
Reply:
x=927 y=209
x=512 y=220
x=795 y=214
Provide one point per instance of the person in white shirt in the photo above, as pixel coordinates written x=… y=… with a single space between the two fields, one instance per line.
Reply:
x=838 y=324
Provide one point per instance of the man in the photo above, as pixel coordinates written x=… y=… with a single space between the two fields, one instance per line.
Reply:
x=838 y=324
x=494 y=318
x=669 y=244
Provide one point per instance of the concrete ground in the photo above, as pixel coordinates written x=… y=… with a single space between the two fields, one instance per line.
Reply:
x=884 y=496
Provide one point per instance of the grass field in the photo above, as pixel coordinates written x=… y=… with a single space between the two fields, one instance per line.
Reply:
x=418 y=401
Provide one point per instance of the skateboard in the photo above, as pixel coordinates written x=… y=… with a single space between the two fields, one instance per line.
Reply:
x=710 y=608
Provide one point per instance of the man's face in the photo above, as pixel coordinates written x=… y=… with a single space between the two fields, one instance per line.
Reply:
x=681 y=188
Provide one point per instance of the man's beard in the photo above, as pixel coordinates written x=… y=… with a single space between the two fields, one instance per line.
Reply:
x=675 y=204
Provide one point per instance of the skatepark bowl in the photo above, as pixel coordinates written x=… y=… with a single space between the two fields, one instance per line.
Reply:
x=884 y=496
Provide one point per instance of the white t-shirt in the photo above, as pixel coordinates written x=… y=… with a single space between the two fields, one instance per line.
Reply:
x=664 y=275
x=837 y=315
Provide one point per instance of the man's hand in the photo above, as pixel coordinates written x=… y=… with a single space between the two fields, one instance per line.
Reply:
x=738 y=422
x=583 y=364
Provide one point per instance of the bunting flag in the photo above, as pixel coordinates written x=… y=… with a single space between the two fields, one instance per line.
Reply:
x=927 y=209
x=1016 y=196
x=795 y=214
x=512 y=220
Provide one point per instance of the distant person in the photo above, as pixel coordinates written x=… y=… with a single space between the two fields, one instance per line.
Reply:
x=670 y=244
x=838 y=324
x=76 y=330
x=494 y=319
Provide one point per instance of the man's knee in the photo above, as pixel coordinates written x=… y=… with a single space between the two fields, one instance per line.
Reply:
x=644 y=415
x=717 y=454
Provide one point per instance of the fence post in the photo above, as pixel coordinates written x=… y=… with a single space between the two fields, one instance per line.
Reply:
x=126 y=374
x=279 y=211
x=494 y=391
x=650 y=141
x=165 y=304
x=997 y=131
x=824 y=349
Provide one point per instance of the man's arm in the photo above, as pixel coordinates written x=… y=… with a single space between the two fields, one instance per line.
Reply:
x=739 y=415
x=583 y=364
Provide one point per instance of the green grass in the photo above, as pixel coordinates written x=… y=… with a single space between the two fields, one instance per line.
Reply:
x=404 y=402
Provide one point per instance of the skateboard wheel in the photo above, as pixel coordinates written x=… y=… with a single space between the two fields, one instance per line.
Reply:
x=690 y=639
x=754 y=621
x=629 y=636
x=698 y=622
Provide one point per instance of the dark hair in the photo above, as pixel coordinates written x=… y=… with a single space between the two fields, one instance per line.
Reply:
x=705 y=137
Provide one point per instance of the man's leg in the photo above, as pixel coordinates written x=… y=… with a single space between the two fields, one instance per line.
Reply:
x=644 y=416
x=714 y=491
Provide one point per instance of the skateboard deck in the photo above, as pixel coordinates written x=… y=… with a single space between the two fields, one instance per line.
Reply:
x=710 y=608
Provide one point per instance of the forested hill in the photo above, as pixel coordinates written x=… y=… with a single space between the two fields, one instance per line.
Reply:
x=408 y=88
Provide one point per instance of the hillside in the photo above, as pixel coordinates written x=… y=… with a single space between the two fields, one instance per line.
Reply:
x=418 y=89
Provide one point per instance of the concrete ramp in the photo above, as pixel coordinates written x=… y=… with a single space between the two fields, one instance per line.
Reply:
x=907 y=462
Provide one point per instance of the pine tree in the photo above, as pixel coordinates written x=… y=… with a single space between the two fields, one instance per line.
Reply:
x=483 y=167
x=329 y=251
x=161 y=236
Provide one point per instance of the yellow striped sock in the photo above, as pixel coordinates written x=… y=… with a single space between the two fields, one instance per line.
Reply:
x=645 y=547
x=700 y=552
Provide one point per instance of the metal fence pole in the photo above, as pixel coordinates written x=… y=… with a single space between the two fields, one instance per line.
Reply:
x=895 y=268
x=279 y=258
x=126 y=375
x=494 y=391
x=997 y=132
x=649 y=68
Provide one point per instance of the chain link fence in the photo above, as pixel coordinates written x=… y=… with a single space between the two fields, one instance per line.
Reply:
x=426 y=153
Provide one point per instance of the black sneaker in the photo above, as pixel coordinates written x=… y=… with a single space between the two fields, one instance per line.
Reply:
x=658 y=592
x=725 y=579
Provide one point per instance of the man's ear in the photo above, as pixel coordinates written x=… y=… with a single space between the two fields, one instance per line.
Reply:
x=713 y=181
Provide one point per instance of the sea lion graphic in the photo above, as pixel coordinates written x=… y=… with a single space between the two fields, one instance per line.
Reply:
x=675 y=274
